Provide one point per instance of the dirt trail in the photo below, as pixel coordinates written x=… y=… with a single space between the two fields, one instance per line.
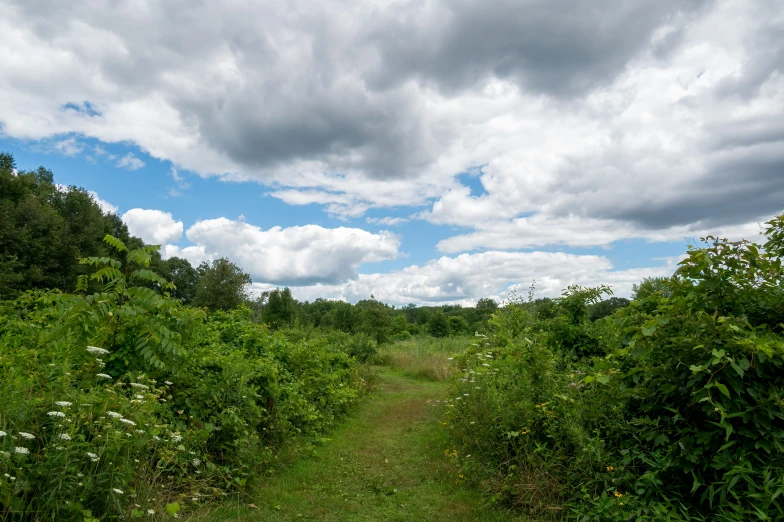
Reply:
x=385 y=463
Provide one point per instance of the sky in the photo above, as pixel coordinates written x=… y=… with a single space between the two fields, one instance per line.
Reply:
x=427 y=152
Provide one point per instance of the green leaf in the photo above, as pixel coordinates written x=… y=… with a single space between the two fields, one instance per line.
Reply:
x=603 y=379
x=173 y=508
x=723 y=389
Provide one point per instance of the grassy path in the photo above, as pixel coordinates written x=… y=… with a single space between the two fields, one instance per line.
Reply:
x=386 y=463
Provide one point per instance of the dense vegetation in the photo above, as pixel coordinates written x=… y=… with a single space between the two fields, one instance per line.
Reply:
x=671 y=409
x=132 y=385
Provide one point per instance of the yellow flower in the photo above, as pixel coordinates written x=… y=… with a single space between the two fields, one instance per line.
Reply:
x=610 y=468
x=617 y=494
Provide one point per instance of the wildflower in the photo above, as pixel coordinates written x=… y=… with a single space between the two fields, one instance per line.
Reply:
x=168 y=382
x=140 y=386
x=3 y=434
x=140 y=396
x=97 y=351
x=118 y=491
x=20 y=450
x=139 y=431
x=80 y=475
x=63 y=404
x=92 y=456
x=176 y=437
x=485 y=364
x=150 y=511
x=103 y=376
x=26 y=435
x=56 y=414
x=114 y=415
x=610 y=469
x=618 y=494
x=128 y=422
x=196 y=463
x=65 y=436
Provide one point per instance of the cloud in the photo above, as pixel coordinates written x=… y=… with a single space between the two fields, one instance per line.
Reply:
x=466 y=278
x=130 y=162
x=106 y=207
x=388 y=221
x=638 y=117
x=69 y=147
x=194 y=254
x=155 y=227
x=300 y=255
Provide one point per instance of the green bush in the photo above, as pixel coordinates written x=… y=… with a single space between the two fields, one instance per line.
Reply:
x=672 y=409
x=115 y=402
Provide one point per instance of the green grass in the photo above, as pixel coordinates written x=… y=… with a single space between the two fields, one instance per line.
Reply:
x=386 y=463
x=423 y=356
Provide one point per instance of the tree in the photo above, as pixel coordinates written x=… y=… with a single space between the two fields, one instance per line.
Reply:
x=376 y=319
x=222 y=285
x=458 y=325
x=606 y=307
x=650 y=286
x=281 y=308
x=487 y=304
x=438 y=325
x=181 y=273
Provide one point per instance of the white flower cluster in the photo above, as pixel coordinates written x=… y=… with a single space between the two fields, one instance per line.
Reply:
x=65 y=436
x=26 y=435
x=128 y=422
x=3 y=434
x=97 y=351
x=114 y=415
x=21 y=451
x=92 y=456
x=56 y=414
x=139 y=386
x=103 y=376
x=63 y=404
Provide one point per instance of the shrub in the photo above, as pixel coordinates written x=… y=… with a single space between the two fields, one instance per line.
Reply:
x=125 y=397
x=672 y=409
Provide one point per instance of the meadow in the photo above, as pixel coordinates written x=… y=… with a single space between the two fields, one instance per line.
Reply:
x=133 y=387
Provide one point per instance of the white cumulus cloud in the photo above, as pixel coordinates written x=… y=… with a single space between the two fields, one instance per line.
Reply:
x=299 y=255
x=155 y=227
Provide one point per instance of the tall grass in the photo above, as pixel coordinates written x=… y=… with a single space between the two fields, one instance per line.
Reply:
x=426 y=357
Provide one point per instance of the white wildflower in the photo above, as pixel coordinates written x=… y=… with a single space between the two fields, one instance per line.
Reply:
x=128 y=422
x=168 y=382
x=118 y=491
x=97 y=351
x=20 y=450
x=140 y=396
x=92 y=455
x=63 y=404
x=196 y=463
x=176 y=437
x=65 y=436
x=26 y=435
x=139 y=431
x=114 y=415
x=485 y=364
x=3 y=434
x=140 y=386
x=79 y=475
x=56 y=414
x=150 y=511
